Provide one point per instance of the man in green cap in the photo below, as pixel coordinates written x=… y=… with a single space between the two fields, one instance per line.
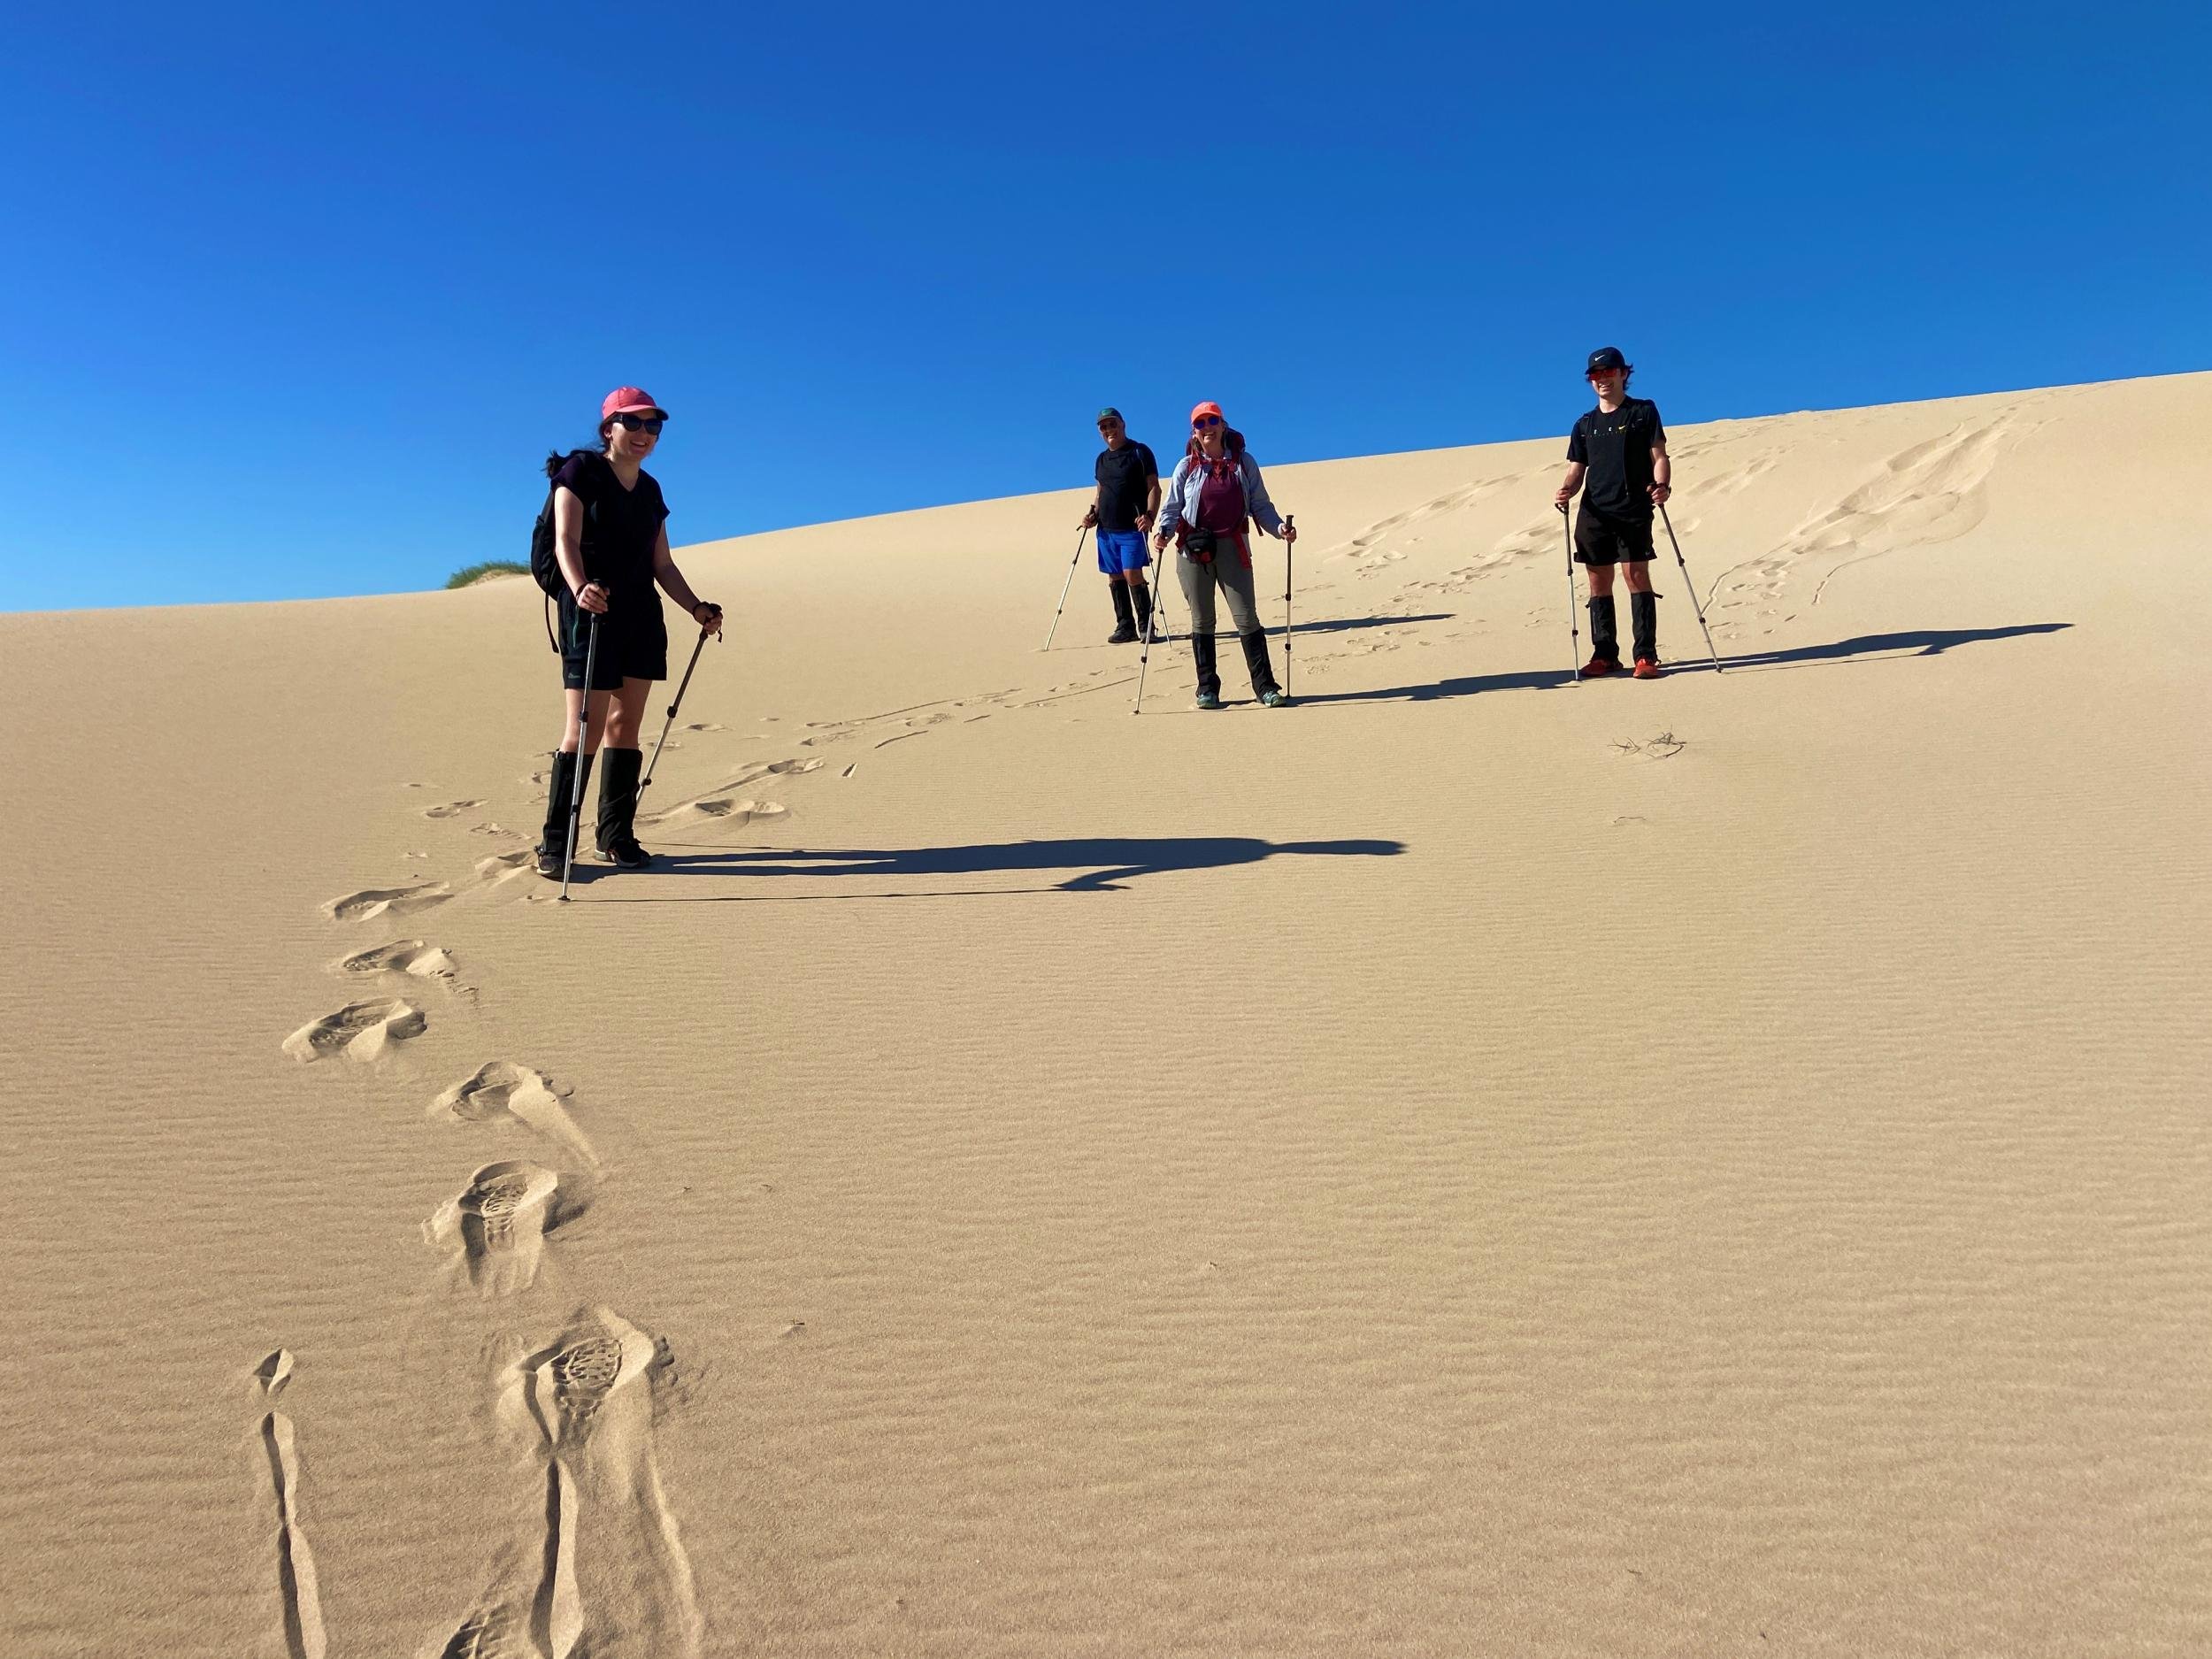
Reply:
x=1128 y=500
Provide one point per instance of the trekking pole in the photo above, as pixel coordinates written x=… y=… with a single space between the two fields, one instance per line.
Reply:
x=1574 y=630
x=1065 y=585
x=1696 y=604
x=647 y=782
x=1290 y=548
x=1144 y=651
x=583 y=740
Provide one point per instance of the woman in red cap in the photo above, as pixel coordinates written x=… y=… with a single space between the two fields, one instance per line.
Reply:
x=1216 y=488
x=611 y=536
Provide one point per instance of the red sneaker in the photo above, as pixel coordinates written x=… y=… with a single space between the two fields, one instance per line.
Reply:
x=1646 y=669
x=1598 y=667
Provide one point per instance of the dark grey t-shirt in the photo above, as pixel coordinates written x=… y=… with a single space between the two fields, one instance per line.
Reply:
x=1125 y=484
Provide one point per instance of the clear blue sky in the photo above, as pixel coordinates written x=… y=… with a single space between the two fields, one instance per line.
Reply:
x=294 y=300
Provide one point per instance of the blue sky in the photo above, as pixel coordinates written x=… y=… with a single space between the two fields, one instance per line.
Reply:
x=311 y=291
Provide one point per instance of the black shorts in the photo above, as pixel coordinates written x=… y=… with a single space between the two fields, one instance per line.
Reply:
x=632 y=642
x=1611 y=540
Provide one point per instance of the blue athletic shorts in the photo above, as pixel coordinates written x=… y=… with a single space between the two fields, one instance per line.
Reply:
x=1120 y=550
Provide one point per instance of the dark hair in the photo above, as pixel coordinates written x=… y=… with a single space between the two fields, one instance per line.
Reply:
x=555 y=461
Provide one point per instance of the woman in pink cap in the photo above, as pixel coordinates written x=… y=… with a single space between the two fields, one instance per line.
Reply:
x=1216 y=488
x=610 y=537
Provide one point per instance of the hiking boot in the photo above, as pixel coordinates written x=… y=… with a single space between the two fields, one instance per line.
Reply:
x=1202 y=650
x=617 y=838
x=1141 y=601
x=1273 y=699
x=1125 y=635
x=1256 y=665
x=1598 y=667
x=1646 y=669
x=561 y=787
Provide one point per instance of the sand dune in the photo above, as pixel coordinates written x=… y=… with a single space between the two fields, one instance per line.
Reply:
x=1471 y=1162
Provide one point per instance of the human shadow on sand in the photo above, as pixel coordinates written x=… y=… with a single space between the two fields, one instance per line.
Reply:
x=1864 y=648
x=1101 y=863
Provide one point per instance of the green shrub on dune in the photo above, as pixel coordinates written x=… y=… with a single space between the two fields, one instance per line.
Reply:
x=469 y=576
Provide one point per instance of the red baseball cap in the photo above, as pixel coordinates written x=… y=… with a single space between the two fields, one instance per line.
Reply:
x=1206 y=409
x=627 y=400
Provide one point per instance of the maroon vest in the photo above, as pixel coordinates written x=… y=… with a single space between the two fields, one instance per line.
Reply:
x=1221 y=496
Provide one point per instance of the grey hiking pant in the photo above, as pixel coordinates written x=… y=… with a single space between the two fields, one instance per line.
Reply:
x=1233 y=576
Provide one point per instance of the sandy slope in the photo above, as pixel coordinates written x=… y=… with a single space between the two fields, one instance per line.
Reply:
x=1469 y=1163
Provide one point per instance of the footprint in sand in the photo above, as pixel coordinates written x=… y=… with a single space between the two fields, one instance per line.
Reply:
x=360 y=1030
x=495 y=1227
x=586 y=1397
x=451 y=808
x=604 y=1568
x=737 y=811
x=373 y=902
x=403 y=955
x=505 y=866
x=273 y=1372
x=500 y=1091
x=705 y=726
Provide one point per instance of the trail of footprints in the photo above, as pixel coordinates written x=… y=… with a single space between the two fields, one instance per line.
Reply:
x=600 y=1565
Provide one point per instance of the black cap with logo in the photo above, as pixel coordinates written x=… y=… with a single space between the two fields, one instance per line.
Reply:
x=1606 y=357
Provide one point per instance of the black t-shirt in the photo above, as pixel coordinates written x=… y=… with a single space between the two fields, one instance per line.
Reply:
x=1125 y=484
x=1616 y=449
x=621 y=526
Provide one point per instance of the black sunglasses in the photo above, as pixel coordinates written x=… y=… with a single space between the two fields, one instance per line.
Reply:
x=1205 y=422
x=642 y=423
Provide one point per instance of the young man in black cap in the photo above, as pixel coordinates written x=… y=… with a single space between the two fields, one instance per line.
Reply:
x=1128 y=500
x=1620 y=448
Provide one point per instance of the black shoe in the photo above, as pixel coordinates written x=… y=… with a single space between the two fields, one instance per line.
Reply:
x=549 y=863
x=627 y=854
x=619 y=770
x=1125 y=635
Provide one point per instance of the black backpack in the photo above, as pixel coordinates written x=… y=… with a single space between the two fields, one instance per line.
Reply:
x=545 y=569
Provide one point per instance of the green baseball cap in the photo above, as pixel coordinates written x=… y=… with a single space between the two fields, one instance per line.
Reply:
x=1110 y=414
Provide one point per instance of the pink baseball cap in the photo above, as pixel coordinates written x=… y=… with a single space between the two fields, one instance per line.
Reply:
x=627 y=400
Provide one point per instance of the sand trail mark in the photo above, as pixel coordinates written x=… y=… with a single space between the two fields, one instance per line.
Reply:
x=403 y=955
x=273 y=1372
x=500 y=1090
x=734 y=812
x=1366 y=543
x=449 y=808
x=496 y=1226
x=796 y=767
x=303 y=1635
x=359 y=1031
x=371 y=902
x=1931 y=492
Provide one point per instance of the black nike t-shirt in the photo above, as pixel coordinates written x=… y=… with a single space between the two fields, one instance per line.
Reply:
x=621 y=526
x=1616 y=449
x=1125 y=484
